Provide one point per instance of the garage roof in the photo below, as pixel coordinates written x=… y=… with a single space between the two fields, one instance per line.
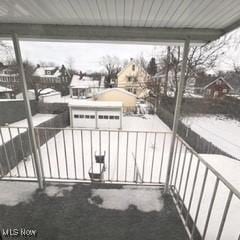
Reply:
x=96 y=104
x=119 y=20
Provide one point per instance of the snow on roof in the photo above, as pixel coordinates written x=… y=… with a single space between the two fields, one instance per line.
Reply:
x=95 y=104
x=40 y=72
x=85 y=82
x=116 y=89
x=219 y=78
x=47 y=91
x=5 y=89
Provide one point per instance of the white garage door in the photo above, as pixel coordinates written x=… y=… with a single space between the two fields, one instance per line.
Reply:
x=83 y=119
x=108 y=119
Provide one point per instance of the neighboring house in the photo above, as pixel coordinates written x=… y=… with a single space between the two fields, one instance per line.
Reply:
x=9 y=78
x=30 y=92
x=96 y=114
x=52 y=77
x=133 y=78
x=6 y=93
x=82 y=87
x=217 y=88
x=128 y=99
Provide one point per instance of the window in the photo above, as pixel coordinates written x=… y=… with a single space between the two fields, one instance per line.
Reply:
x=105 y=117
x=224 y=90
x=100 y=117
x=87 y=116
x=81 y=116
x=116 y=117
x=76 y=116
x=133 y=67
x=134 y=90
x=129 y=79
x=92 y=117
x=111 y=117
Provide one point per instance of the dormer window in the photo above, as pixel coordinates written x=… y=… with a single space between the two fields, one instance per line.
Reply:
x=48 y=72
x=133 y=67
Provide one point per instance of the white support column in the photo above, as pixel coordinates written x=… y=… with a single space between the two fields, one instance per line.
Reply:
x=28 y=110
x=177 y=112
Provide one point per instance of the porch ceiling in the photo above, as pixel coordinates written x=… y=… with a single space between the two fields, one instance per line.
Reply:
x=119 y=20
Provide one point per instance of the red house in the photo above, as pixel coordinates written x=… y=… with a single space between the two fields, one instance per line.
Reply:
x=217 y=88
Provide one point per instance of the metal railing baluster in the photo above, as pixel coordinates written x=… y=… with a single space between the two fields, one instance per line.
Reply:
x=5 y=152
x=83 y=158
x=48 y=155
x=65 y=153
x=210 y=208
x=162 y=158
x=229 y=199
x=144 y=156
x=199 y=203
x=126 y=166
x=74 y=155
x=153 y=156
x=22 y=150
x=192 y=192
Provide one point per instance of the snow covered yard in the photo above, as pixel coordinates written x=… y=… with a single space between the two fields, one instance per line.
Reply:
x=129 y=155
x=223 y=132
x=229 y=169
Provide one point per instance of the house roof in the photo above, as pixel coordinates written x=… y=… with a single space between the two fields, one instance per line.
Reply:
x=219 y=78
x=84 y=82
x=41 y=72
x=121 y=20
x=116 y=89
x=5 y=89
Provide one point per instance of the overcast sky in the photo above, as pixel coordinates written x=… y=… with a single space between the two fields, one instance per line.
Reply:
x=87 y=56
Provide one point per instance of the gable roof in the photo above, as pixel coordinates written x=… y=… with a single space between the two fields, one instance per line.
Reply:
x=84 y=82
x=141 y=69
x=41 y=71
x=116 y=89
x=219 y=78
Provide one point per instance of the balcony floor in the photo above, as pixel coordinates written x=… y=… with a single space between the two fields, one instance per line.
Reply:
x=90 y=211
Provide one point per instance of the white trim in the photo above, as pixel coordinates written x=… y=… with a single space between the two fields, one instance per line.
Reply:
x=219 y=78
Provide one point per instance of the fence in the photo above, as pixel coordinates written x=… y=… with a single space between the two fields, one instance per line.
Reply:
x=15 y=145
x=197 y=142
x=204 y=198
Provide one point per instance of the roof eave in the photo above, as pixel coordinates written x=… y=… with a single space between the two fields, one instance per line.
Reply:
x=108 y=33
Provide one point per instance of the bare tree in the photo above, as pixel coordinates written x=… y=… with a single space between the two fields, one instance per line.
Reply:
x=199 y=57
x=112 y=67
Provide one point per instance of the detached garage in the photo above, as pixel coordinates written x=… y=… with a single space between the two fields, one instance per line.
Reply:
x=96 y=114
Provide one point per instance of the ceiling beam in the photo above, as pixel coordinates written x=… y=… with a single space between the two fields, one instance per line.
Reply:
x=103 y=33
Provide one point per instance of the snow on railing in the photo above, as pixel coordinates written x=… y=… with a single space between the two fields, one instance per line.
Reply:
x=208 y=204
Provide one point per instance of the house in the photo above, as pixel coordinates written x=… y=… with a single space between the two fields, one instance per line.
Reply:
x=82 y=87
x=6 y=93
x=128 y=99
x=133 y=78
x=96 y=114
x=217 y=88
x=9 y=78
x=52 y=77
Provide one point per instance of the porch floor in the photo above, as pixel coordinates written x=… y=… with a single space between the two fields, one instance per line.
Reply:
x=90 y=211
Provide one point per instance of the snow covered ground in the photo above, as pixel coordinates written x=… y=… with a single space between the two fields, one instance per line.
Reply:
x=223 y=132
x=229 y=169
x=70 y=154
x=20 y=126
